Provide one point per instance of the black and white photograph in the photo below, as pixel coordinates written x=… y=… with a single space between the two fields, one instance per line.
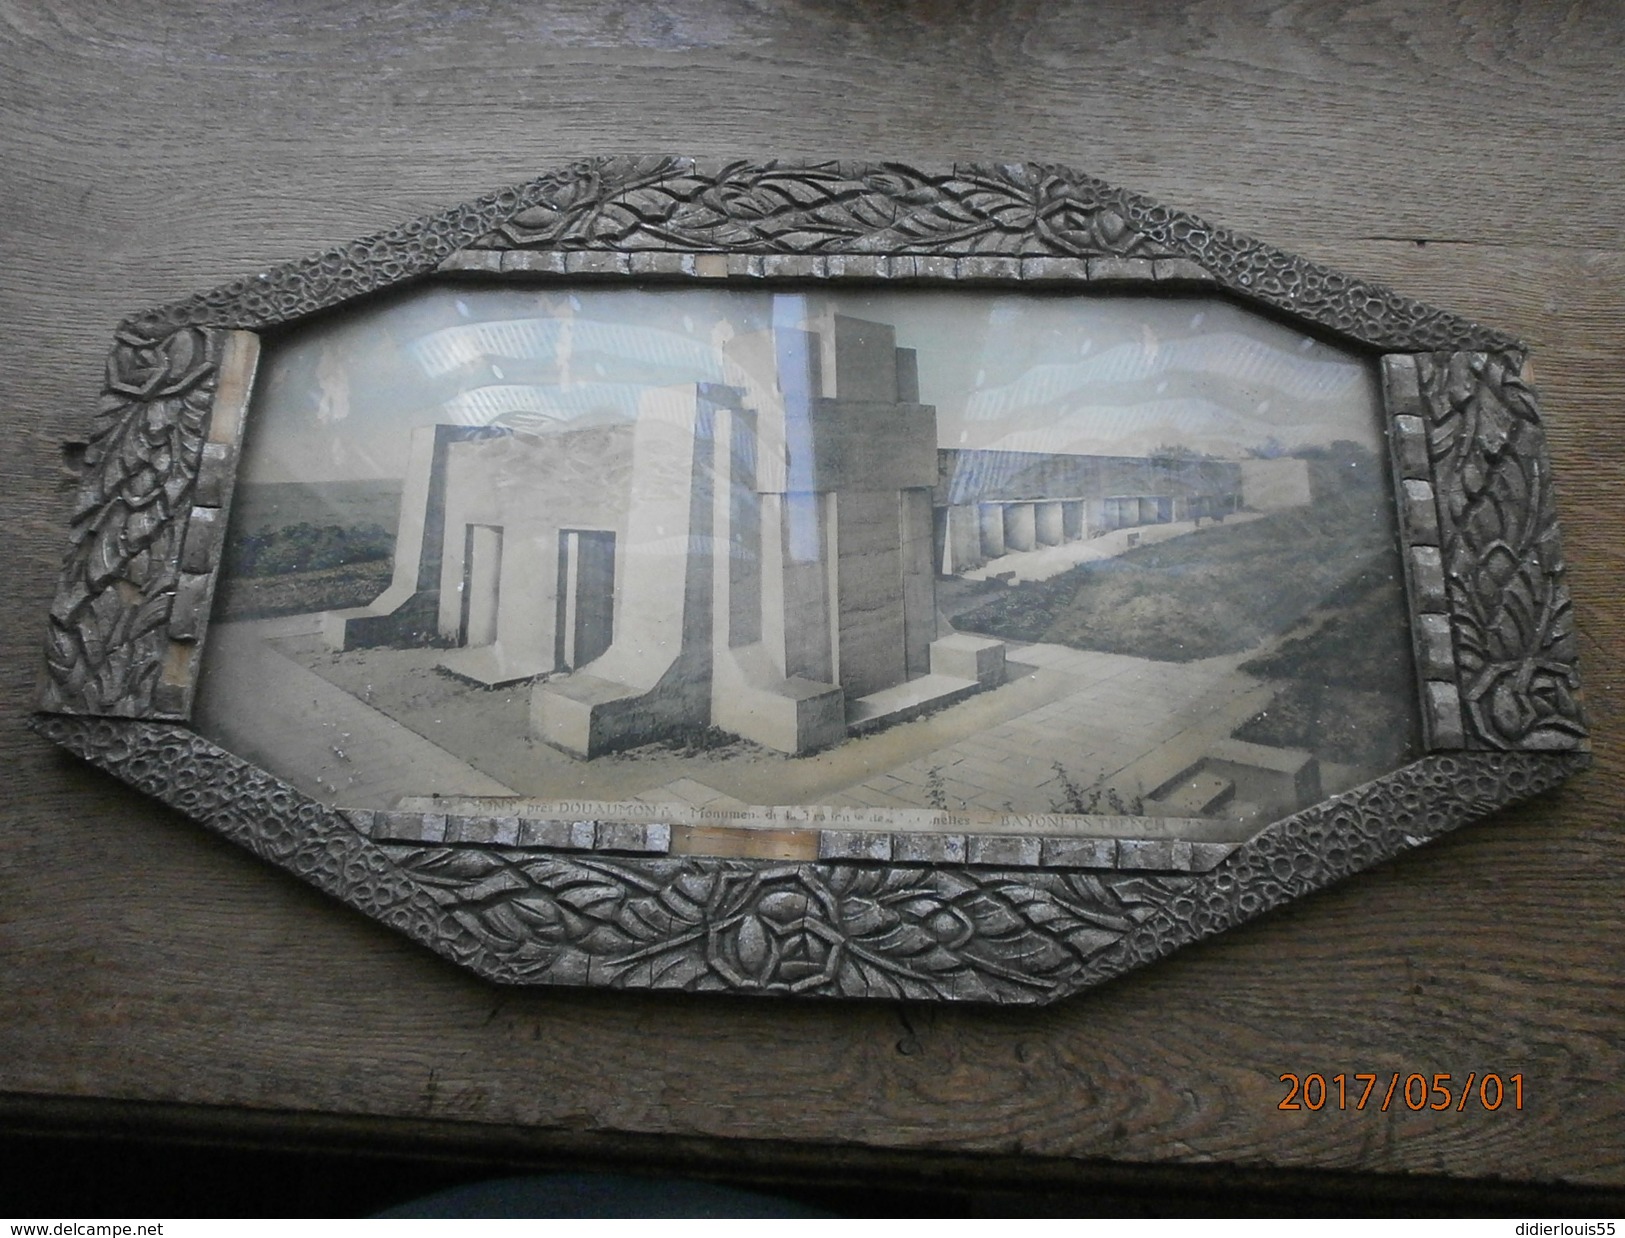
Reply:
x=904 y=558
x=739 y=559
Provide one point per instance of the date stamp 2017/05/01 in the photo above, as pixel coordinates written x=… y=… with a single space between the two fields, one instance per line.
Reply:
x=1415 y=1092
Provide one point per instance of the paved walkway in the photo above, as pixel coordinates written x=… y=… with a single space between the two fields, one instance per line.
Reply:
x=1069 y=723
x=268 y=709
x=1124 y=723
x=1130 y=725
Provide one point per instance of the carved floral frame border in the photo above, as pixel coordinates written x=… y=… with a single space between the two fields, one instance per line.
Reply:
x=589 y=903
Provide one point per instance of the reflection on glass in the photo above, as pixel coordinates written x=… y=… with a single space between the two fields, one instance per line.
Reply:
x=962 y=558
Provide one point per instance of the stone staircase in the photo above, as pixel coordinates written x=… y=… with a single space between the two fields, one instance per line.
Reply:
x=1240 y=780
x=905 y=701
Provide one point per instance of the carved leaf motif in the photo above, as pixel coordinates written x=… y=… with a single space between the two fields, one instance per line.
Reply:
x=108 y=627
x=1514 y=629
x=637 y=204
x=825 y=209
x=791 y=928
x=693 y=923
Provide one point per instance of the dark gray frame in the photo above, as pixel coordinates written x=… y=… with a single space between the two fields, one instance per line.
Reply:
x=950 y=916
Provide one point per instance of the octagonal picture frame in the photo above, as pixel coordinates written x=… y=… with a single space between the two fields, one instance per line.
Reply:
x=826 y=904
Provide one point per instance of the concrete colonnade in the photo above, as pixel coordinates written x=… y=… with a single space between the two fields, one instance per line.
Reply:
x=977 y=532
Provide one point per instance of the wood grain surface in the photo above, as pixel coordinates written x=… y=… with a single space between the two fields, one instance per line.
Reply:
x=1469 y=153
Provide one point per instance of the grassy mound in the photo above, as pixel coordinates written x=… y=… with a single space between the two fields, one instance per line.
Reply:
x=1222 y=589
x=300 y=593
x=1347 y=680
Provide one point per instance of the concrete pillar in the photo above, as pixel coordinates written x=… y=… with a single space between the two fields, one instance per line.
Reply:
x=420 y=532
x=919 y=583
x=963 y=549
x=990 y=524
x=865 y=361
x=431 y=541
x=655 y=677
x=737 y=535
x=1103 y=516
x=586 y=590
x=1047 y=524
x=564 y=628
x=908 y=376
x=795 y=586
x=1072 y=524
x=870 y=608
x=829 y=515
x=482 y=583
x=772 y=582
x=663 y=607
x=1020 y=527
x=719 y=531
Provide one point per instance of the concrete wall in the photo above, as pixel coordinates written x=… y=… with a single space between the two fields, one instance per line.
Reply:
x=796 y=584
x=655 y=677
x=660 y=609
x=919 y=581
x=521 y=490
x=773 y=553
x=1048 y=524
x=990 y=529
x=869 y=570
x=866 y=445
x=971 y=475
x=405 y=613
x=1020 y=527
x=865 y=356
x=992 y=503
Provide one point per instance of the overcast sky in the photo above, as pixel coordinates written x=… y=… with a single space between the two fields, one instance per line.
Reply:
x=1033 y=372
